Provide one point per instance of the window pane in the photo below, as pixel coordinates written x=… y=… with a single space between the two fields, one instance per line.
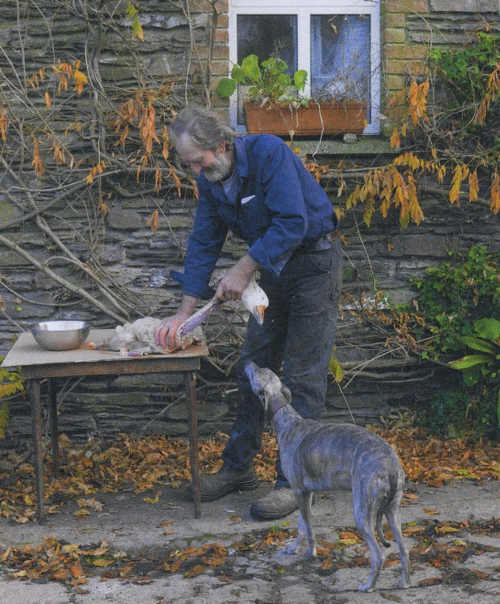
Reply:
x=340 y=56
x=268 y=36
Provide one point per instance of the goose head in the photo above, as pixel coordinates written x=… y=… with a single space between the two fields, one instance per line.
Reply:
x=255 y=300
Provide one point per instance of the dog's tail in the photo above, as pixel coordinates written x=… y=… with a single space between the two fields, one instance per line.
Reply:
x=382 y=511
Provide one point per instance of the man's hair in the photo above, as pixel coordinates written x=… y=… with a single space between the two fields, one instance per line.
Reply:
x=205 y=129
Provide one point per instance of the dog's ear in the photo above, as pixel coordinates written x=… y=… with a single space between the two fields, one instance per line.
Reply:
x=285 y=391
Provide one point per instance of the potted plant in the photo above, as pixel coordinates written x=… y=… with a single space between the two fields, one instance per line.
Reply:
x=276 y=103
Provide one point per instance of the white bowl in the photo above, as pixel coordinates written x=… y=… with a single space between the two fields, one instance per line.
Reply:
x=60 y=335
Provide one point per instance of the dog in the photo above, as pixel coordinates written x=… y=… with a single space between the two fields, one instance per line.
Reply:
x=317 y=457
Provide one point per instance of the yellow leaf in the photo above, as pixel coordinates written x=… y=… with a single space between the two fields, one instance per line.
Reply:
x=395 y=140
x=410 y=530
x=151 y=500
x=336 y=369
x=102 y=562
x=80 y=80
x=348 y=541
x=153 y=221
x=447 y=529
x=349 y=535
x=48 y=100
x=20 y=573
x=473 y=186
x=495 y=194
x=82 y=513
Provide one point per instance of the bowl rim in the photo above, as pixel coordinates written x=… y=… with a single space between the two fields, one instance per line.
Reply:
x=62 y=326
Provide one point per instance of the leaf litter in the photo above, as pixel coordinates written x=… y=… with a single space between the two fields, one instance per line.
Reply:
x=148 y=463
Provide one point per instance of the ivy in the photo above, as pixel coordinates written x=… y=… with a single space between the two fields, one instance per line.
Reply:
x=454 y=295
x=10 y=383
x=456 y=302
x=466 y=70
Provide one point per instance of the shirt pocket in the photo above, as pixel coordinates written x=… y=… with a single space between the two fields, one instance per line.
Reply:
x=253 y=217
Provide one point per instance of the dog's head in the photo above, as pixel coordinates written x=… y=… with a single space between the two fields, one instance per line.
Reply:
x=267 y=386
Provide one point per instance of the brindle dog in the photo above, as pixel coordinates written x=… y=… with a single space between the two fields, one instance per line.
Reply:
x=317 y=456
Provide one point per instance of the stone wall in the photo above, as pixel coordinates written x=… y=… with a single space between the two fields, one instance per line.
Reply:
x=412 y=27
x=139 y=260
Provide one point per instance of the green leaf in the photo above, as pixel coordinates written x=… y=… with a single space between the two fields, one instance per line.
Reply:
x=469 y=361
x=498 y=408
x=225 y=88
x=480 y=344
x=488 y=328
x=300 y=78
x=336 y=369
x=4 y=418
x=251 y=69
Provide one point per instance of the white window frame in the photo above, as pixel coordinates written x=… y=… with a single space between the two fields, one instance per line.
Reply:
x=304 y=9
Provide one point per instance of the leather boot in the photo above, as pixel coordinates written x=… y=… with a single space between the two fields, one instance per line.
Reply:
x=277 y=503
x=226 y=480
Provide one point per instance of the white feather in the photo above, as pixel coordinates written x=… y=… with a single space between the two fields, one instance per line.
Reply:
x=255 y=300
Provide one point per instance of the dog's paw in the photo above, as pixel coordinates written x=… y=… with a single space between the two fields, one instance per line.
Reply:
x=403 y=583
x=310 y=553
x=365 y=587
x=290 y=549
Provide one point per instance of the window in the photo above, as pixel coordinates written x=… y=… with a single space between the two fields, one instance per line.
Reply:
x=336 y=41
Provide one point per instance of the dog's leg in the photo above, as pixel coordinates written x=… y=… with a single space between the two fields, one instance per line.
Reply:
x=304 y=531
x=365 y=515
x=394 y=518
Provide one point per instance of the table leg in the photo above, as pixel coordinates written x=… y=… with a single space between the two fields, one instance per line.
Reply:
x=193 y=436
x=53 y=424
x=36 y=425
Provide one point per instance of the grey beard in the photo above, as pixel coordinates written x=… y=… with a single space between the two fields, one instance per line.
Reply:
x=220 y=169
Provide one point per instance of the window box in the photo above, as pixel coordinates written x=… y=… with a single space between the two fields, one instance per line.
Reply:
x=336 y=41
x=318 y=118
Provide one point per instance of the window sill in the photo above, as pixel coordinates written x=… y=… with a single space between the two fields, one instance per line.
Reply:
x=365 y=145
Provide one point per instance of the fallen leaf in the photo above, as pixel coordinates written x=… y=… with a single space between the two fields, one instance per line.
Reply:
x=151 y=500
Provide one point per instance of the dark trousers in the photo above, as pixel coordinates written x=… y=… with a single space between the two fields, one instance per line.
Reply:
x=297 y=336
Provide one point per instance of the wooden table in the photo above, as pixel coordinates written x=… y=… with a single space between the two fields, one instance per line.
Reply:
x=36 y=364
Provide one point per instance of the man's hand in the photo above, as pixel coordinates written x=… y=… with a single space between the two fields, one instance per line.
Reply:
x=165 y=335
x=236 y=279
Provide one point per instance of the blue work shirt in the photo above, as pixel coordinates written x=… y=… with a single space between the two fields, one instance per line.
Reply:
x=277 y=206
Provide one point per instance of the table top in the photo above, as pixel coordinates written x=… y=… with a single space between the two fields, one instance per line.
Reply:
x=35 y=362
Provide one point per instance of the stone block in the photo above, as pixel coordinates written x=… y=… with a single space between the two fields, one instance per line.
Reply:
x=395 y=82
x=148 y=380
x=222 y=21
x=221 y=35
x=128 y=220
x=394 y=20
x=406 y=6
x=396 y=66
x=424 y=244
x=404 y=51
x=394 y=35
x=465 y=6
x=105 y=402
x=8 y=211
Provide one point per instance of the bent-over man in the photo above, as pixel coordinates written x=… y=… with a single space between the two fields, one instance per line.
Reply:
x=257 y=188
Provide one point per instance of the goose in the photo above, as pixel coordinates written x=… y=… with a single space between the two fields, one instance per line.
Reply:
x=139 y=337
x=253 y=298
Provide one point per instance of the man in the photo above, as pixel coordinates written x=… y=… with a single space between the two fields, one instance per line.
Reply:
x=258 y=188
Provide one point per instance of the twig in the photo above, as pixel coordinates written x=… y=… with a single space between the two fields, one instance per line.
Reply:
x=77 y=290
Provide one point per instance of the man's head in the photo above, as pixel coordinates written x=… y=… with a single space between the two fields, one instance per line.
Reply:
x=204 y=142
